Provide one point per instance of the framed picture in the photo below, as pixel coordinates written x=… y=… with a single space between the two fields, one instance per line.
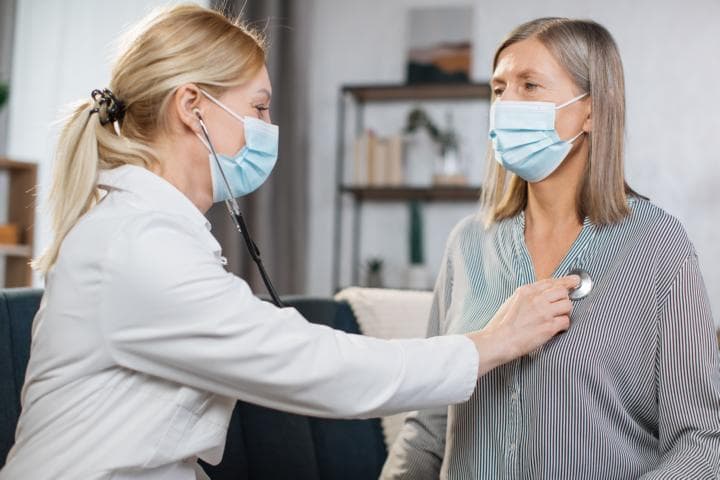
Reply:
x=439 y=44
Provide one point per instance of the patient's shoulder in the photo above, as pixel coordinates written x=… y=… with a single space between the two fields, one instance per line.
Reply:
x=471 y=228
x=658 y=241
x=663 y=230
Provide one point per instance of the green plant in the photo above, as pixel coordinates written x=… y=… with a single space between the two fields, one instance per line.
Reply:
x=418 y=118
x=417 y=255
x=4 y=91
x=374 y=277
x=374 y=265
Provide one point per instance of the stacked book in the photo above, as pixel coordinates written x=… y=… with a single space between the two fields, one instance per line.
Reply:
x=378 y=161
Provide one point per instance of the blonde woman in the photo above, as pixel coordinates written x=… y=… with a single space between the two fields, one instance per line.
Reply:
x=143 y=341
x=632 y=389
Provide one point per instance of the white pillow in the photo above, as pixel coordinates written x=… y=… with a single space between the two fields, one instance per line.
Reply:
x=389 y=314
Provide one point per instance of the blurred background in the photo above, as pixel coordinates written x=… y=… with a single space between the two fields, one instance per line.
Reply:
x=382 y=107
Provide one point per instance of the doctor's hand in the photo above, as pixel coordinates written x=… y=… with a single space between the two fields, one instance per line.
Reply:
x=530 y=317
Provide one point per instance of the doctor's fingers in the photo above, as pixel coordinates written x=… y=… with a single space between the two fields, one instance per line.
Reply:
x=556 y=294
x=540 y=285
x=568 y=283
x=548 y=309
x=561 y=308
x=559 y=324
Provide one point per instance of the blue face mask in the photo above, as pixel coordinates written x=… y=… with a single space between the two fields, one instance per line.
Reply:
x=525 y=140
x=249 y=168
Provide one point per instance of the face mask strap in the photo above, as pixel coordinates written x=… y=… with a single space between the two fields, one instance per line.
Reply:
x=572 y=100
x=576 y=137
x=221 y=105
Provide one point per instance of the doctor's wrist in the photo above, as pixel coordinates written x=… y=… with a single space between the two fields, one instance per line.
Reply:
x=491 y=350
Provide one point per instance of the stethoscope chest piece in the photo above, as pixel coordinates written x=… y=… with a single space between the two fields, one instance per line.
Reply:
x=585 y=287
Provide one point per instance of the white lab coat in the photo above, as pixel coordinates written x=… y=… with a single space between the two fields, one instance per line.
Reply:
x=144 y=341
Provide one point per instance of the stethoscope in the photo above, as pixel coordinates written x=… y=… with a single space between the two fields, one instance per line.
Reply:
x=585 y=286
x=239 y=221
x=582 y=290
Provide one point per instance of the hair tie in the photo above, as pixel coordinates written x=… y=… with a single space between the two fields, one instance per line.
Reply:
x=107 y=106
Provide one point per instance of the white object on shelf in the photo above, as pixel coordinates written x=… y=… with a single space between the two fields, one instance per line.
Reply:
x=421 y=154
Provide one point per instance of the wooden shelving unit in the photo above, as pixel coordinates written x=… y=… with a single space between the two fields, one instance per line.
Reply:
x=379 y=93
x=428 y=194
x=359 y=95
x=21 y=212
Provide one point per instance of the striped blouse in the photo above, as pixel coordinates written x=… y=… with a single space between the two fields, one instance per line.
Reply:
x=632 y=390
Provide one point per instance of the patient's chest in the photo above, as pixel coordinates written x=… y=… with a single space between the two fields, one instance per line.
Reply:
x=609 y=349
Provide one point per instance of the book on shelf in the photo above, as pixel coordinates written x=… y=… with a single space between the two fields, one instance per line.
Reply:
x=378 y=161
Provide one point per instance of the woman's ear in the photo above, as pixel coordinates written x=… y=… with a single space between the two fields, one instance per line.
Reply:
x=186 y=104
x=587 y=124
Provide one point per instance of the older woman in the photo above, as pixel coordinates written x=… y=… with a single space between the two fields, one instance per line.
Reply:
x=633 y=388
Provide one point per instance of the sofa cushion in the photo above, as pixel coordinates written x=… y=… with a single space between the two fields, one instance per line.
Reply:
x=347 y=449
x=266 y=443
x=17 y=310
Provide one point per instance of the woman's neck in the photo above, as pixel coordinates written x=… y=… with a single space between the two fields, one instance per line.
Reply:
x=550 y=207
x=178 y=167
x=552 y=203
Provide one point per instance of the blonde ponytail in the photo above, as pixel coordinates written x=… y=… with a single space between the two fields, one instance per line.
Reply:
x=73 y=187
x=179 y=45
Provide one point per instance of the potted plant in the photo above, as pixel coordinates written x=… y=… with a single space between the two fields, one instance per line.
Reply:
x=419 y=119
x=374 y=273
x=447 y=168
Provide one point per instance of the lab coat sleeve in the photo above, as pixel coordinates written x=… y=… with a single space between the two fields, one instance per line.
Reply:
x=169 y=309
x=418 y=451
x=688 y=381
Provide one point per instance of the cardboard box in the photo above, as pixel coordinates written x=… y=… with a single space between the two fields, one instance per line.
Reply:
x=9 y=234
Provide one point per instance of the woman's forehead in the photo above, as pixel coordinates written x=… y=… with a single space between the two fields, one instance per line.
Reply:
x=257 y=86
x=524 y=59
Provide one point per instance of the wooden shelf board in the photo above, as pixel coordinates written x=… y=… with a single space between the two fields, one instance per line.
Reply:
x=434 y=193
x=390 y=92
x=7 y=164
x=22 y=178
x=16 y=250
x=385 y=287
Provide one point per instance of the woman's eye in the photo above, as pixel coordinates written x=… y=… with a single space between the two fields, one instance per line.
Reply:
x=261 y=108
x=530 y=86
x=498 y=92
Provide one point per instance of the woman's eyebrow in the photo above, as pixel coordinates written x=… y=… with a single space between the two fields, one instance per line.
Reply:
x=266 y=92
x=530 y=73
x=522 y=74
